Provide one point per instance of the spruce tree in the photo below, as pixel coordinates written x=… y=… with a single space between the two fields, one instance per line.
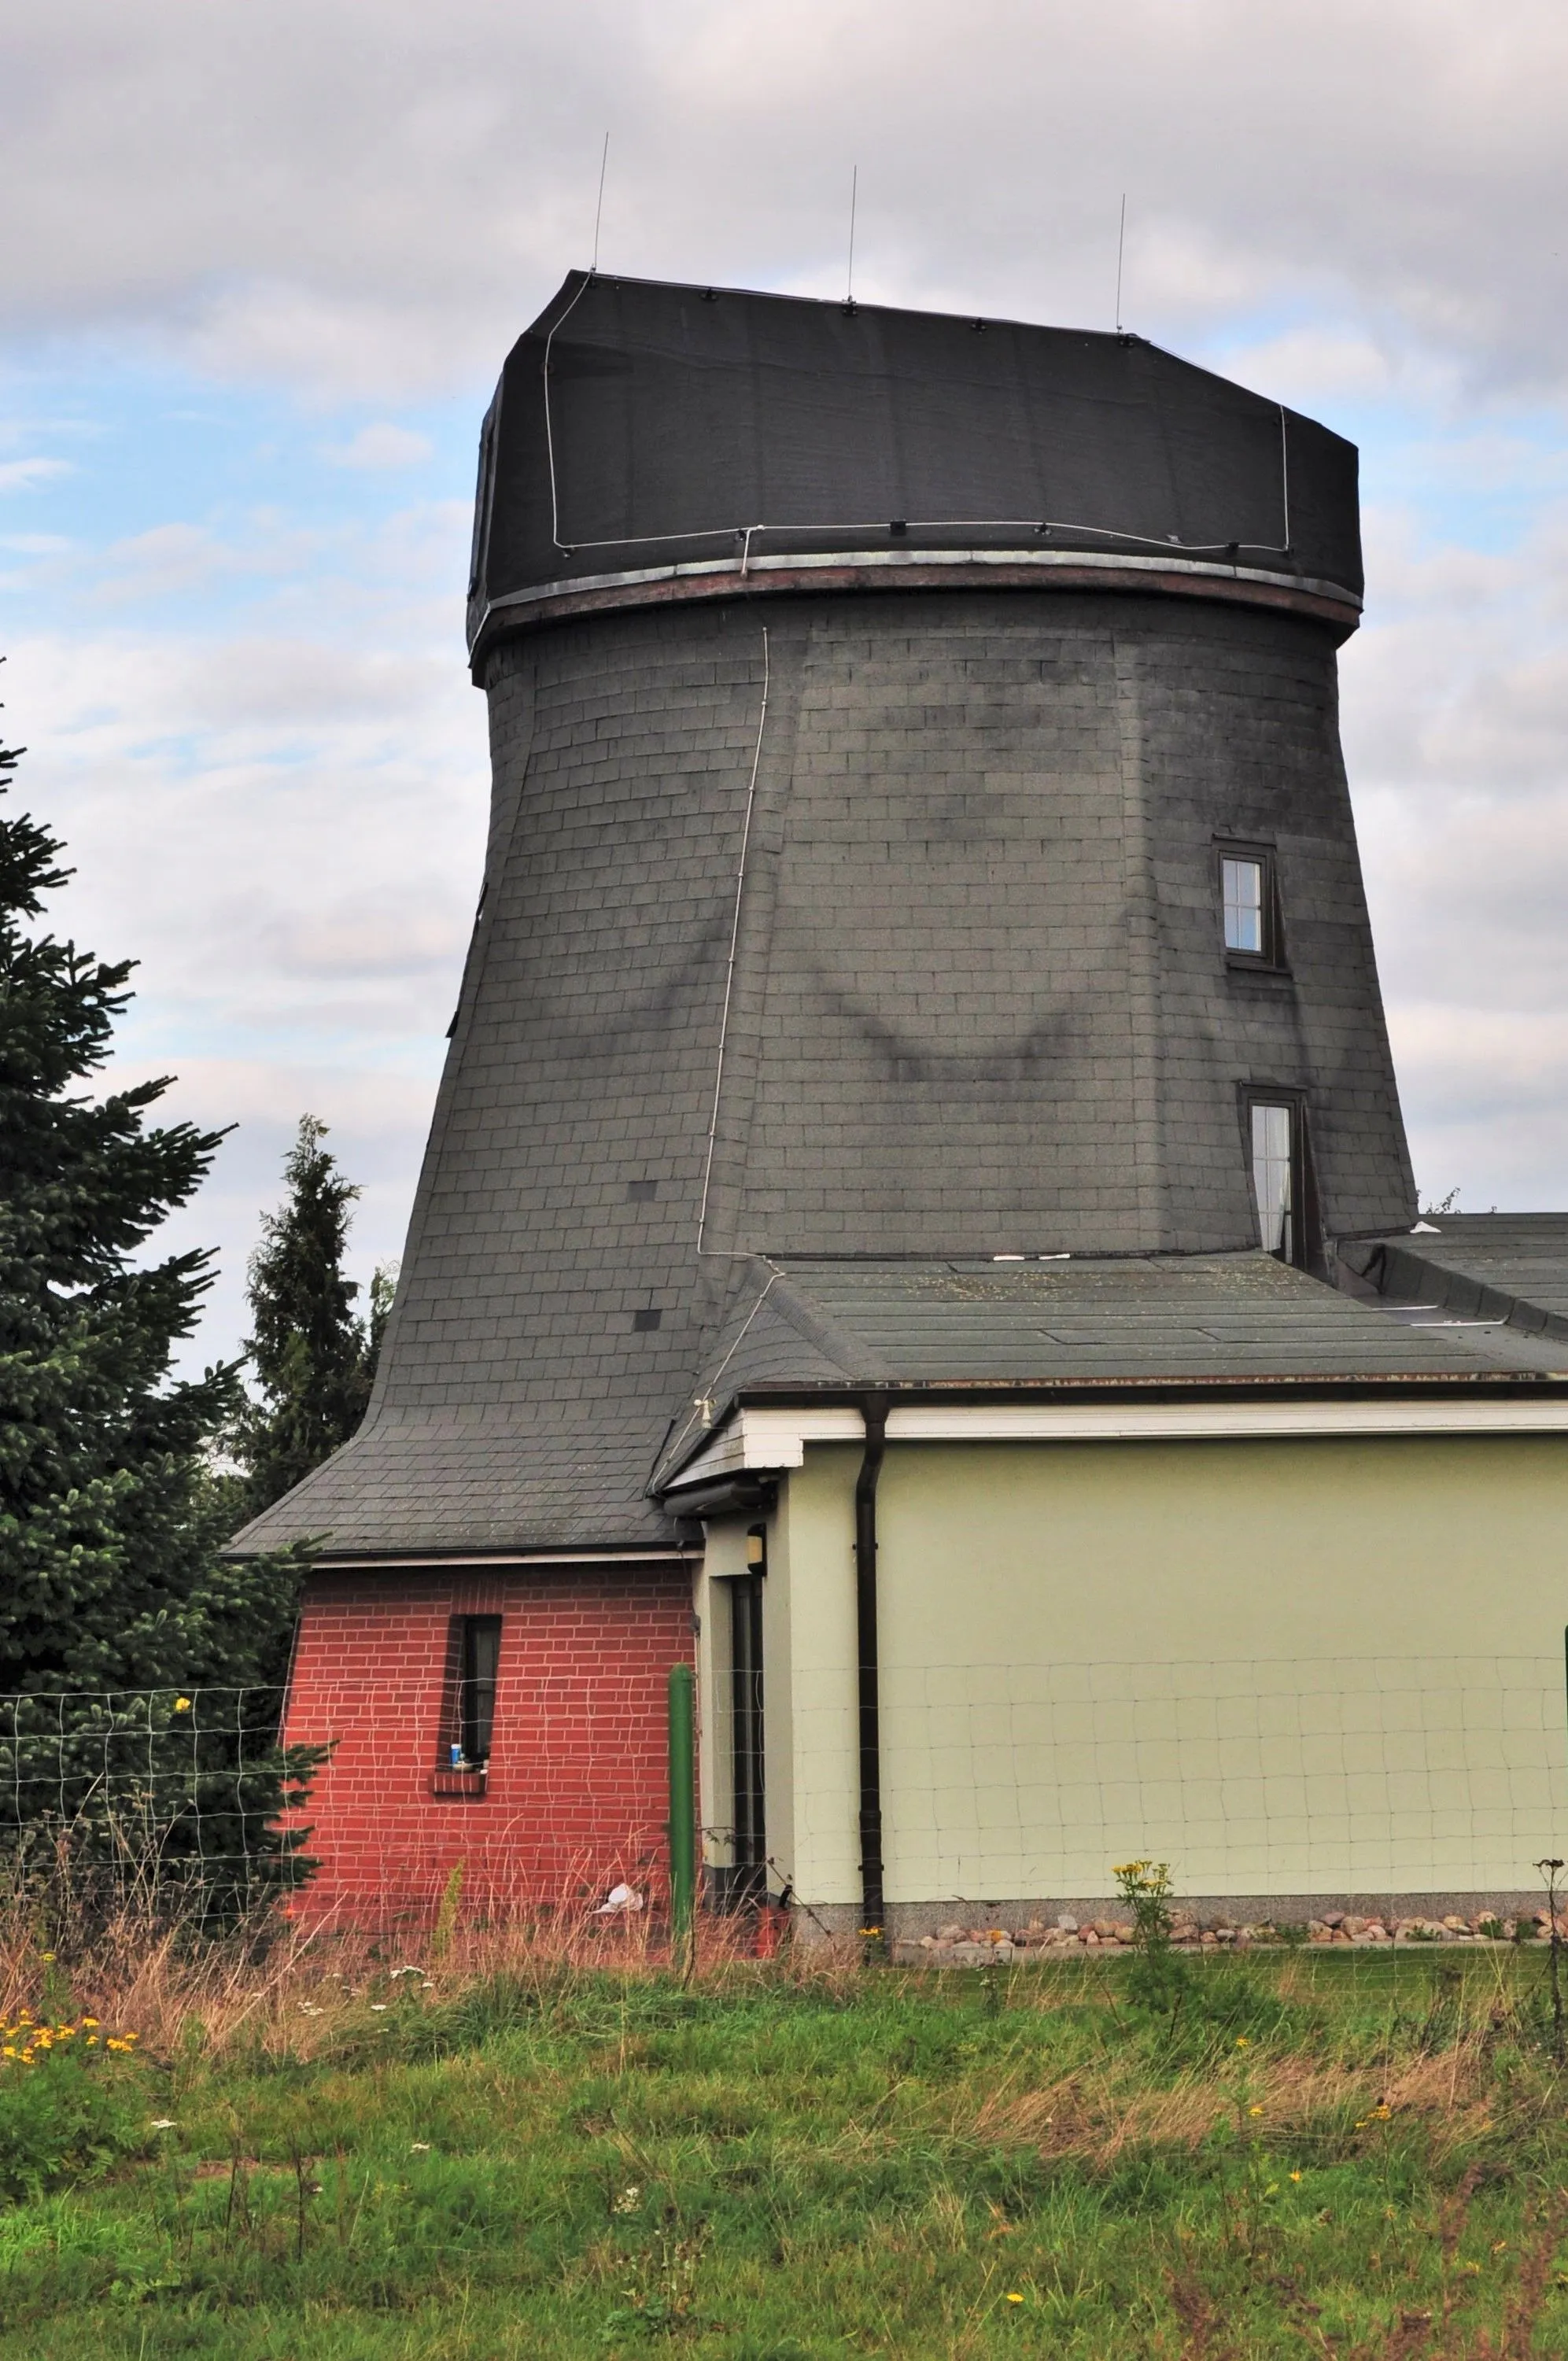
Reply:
x=313 y=1356
x=113 y=1591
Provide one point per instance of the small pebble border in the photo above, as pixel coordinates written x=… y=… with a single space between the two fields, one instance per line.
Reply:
x=963 y=1947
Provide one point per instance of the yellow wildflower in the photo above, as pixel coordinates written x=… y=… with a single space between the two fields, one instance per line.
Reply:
x=1012 y=2295
x=182 y=1704
x=1255 y=2111
x=1295 y=2175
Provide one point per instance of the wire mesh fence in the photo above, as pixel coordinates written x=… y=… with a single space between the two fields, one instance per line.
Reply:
x=1387 y=1774
x=1290 y=1776
x=181 y=1797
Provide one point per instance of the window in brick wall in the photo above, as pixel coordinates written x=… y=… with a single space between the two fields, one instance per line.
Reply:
x=475 y=1659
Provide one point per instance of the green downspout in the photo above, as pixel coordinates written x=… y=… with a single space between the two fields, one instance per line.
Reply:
x=683 y=1816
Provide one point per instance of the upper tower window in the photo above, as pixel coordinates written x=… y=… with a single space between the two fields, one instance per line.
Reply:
x=1249 y=905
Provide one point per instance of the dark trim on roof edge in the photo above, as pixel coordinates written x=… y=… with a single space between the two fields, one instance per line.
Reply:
x=670 y=585
x=628 y=1554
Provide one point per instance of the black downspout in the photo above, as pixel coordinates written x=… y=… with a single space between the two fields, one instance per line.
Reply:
x=874 y=1411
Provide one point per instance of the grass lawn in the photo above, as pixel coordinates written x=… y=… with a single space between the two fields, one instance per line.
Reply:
x=1350 y=2154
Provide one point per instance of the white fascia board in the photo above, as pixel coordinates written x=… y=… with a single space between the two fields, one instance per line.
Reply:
x=1174 y=1422
x=777 y=1438
x=771 y=1438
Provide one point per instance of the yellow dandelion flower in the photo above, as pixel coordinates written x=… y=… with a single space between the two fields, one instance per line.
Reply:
x=1014 y=2297
x=1242 y=2041
x=1255 y=2111
x=182 y=1704
x=1295 y=2175
x=89 y=2020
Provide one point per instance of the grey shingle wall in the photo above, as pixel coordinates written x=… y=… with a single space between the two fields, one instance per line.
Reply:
x=979 y=1003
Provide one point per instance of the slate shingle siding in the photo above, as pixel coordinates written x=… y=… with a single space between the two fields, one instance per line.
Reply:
x=980 y=1002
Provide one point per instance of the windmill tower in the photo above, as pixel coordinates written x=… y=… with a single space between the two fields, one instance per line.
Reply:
x=919 y=832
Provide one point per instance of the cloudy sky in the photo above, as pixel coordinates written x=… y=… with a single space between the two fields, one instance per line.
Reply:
x=259 y=270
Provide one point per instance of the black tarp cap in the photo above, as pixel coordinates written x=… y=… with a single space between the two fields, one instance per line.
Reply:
x=674 y=420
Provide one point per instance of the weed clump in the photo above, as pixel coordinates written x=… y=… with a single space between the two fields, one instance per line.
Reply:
x=71 y=2103
x=1158 y=1979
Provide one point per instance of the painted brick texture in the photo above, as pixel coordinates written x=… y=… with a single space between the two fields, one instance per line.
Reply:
x=577 y=1795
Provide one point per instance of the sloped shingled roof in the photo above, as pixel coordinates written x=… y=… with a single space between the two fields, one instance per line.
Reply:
x=1190 y=1322
x=476 y=1479
x=1508 y=1266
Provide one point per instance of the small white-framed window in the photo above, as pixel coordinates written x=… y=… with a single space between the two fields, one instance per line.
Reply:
x=1249 y=905
x=1241 y=885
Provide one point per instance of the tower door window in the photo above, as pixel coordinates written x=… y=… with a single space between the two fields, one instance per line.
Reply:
x=1275 y=1176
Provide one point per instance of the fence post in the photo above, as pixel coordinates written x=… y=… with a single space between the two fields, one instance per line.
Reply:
x=683 y=1814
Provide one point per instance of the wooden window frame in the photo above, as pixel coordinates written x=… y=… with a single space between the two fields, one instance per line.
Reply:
x=466 y=1777
x=1305 y=1244
x=1271 y=959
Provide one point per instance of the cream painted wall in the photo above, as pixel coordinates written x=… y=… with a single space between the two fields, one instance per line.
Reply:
x=1286 y=1666
x=809 y=1680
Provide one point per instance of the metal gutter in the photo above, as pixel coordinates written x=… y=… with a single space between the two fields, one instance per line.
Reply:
x=442 y=1561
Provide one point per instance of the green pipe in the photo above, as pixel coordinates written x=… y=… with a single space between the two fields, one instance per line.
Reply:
x=683 y=1813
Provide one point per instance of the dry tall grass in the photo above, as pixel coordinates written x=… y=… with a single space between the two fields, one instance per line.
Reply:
x=292 y=1983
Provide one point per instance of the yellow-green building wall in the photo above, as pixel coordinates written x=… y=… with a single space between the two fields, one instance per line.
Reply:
x=1288 y=1666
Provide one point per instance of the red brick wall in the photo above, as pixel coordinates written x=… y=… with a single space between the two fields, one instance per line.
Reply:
x=577 y=1796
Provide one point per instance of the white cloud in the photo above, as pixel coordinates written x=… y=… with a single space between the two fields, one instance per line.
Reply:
x=278 y=195
x=381 y=446
x=288 y=837
x=22 y=475
x=1343 y=205
x=1456 y=735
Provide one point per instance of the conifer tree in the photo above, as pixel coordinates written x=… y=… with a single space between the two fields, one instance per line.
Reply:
x=314 y=1358
x=110 y=1522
